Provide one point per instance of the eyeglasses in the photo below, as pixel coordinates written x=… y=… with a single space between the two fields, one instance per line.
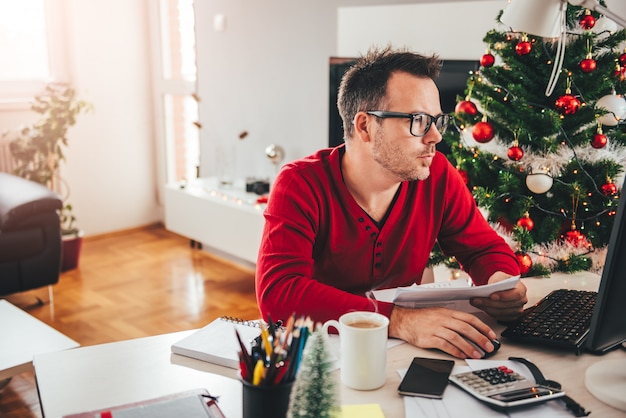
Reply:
x=420 y=122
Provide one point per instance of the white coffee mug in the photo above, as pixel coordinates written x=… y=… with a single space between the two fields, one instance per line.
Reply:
x=363 y=348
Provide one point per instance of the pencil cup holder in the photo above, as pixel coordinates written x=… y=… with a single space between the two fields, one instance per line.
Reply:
x=265 y=401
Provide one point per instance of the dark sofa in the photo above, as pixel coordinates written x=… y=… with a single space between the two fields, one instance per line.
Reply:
x=30 y=235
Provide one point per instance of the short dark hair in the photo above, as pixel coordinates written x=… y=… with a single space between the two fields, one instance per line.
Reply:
x=364 y=85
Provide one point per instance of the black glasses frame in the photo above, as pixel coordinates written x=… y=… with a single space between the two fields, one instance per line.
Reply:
x=441 y=121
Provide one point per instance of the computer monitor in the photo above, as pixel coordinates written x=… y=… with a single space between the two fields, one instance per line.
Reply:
x=606 y=379
x=608 y=322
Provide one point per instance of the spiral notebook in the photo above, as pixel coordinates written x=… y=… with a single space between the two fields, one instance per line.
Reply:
x=217 y=342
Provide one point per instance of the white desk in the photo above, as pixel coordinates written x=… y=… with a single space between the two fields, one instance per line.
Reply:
x=102 y=376
x=22 y=336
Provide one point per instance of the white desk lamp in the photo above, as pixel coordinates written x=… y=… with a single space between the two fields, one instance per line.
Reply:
x=606 y=379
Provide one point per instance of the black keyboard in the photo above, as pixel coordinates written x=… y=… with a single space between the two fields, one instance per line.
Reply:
x=561 y=319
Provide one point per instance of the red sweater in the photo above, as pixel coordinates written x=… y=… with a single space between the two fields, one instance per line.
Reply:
x=320 y=252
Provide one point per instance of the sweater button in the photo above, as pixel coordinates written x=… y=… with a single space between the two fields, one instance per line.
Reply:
x=361 y=219
x=373 y=235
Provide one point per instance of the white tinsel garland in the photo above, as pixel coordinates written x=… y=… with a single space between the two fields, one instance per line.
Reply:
x=554 y=163
x=547 y=255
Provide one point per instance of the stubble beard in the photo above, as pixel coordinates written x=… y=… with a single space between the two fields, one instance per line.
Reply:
x=405 y=167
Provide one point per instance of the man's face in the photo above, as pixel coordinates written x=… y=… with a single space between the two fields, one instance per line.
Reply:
x=406 y=156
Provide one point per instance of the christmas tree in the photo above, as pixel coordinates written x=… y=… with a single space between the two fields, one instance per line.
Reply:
x=546 y=164
x=313 y=394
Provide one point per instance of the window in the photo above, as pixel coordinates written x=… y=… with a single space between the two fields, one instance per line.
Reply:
x=174 y=86
x=31 y=47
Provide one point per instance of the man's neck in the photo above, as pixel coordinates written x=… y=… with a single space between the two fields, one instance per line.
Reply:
x=371 y=189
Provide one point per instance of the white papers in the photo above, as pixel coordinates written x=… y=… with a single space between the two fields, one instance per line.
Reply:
x=458 y=403
x=444 y=293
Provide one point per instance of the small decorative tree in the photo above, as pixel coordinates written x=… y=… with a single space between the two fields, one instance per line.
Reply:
x=313 y=394
x=38 y=149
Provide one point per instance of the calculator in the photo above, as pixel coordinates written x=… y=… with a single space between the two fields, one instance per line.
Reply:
x=503 y=388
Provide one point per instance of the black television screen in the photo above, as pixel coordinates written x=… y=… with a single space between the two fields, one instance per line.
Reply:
x=451 y=82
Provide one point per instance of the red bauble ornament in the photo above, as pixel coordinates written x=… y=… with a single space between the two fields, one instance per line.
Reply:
x=487 y=60
x=567 y=104
x=515 y=153
x=482 y=132
x=622 y=59
x=599 y=141
x=523 y=48
x=609 y=189
x=526 y=222
x=588 y=22
x=525 y=261
x=466 y=106
x=576 y=238
x=588 y=65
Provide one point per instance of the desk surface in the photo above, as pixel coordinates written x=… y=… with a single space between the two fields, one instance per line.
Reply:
x=105 y=375
x=22 y=336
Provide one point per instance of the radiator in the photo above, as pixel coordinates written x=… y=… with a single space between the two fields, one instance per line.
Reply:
x=7 y=164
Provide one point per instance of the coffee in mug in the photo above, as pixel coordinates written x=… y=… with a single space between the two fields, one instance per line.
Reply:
x=363 y=324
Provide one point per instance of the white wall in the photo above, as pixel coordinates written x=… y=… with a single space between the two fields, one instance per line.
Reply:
x=111 y=161
x=267 y=74
x=452 y=30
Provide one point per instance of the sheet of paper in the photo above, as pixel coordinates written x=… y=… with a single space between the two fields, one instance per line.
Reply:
x=458 y=403
x=425 y=295
x=455 y=403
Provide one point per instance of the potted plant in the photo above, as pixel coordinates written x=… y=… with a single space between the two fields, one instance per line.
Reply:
x=38 y=150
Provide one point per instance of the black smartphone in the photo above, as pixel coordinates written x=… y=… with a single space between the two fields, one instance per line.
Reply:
x=427 y=377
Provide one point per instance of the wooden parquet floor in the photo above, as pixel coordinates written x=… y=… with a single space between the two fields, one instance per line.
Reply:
x=133 y=284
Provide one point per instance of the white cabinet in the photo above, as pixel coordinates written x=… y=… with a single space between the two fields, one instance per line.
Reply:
x=227 y=221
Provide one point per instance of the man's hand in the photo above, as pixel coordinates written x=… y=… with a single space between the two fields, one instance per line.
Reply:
x=506 y=305
x=441 y=328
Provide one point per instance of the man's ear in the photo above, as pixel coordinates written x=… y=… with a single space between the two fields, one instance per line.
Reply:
x=362 y=125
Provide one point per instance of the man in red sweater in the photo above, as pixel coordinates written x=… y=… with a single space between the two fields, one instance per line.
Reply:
x=366 y=215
